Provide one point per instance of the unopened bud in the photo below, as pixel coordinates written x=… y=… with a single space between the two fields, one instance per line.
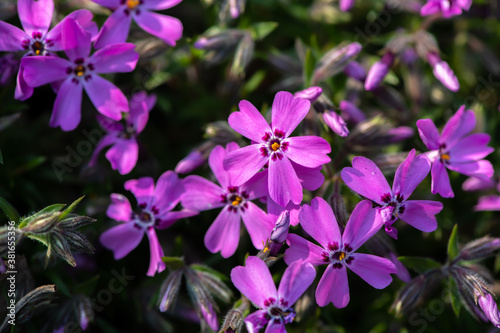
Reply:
x=478 y=184
x=189 y=163
x=355 y=70
x=489 y=307
x=346 y=5
x=42 y=223
x=479 y=249
x=335 y=60
x=243 y=55
x=335 y=122
x=488 y=202
x=279 y=233
x=378 y=71
x=351 y=112
x=169 y=290
x=412 y=293
x=227 y=38
x=311 y=93
x=443 y=72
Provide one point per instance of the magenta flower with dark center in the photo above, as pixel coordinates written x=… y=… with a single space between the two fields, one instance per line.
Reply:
x=338 y=251
x=235 y=200
x=154 y=211
x=255 y=282
x=80 y=72
x=274 y=146
x=116 y=28
x=36 y=39
x=366 y=179
x=122 y=136
x=455 y=149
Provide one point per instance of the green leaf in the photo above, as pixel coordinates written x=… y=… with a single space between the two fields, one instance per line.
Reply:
x=70 y=207
x=9 y=210
x=260 y=30
x=454 y=296
x=420 y=264
x=173 y=263
x=309 y=64
x=453 y=244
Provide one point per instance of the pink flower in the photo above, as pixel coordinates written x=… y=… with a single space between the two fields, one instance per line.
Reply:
x=447 y=8
x=116 y=28
x=338 y=251
x=154 y=211
x=273 y=146
x=455 y=149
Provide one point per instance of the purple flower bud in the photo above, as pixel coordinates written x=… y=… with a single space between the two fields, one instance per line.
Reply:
x=311 y=93
x=345 y=5
x=378 y=71
x=236 y=7
x=355 y=70
x=190 y=162
x=351 y=112
x=489 y=307
x=335 y=122
x=443 y=72
x=479 y=249
x=279 y=233
x=224 y=39
x=400 y=133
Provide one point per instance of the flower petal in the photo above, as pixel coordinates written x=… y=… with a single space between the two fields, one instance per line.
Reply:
x=35 y=16
x=376 y=271
x=76 y=42
x=480 y=169
x=215 y=161
x=201 y=194
x=275 y=326
x=156 y=264
x=420 y=214
x=38 y=71
x=470 y=148
x=123 y=155
x=67 y=106
x=121 y=239
x=363 y=223
x=106 y=97
x=160 y=4
x=249 y=122
x=254 y=281
x=165 y=27
x=284 y=185
x=168 y=191
x=310 y=178
x=119 y=209
x=319 y=222
x=23 y=90
x=256 y=187
x=409 y=174
x=274 y=210
x=333 y=287
x=366 y=179
x=11 y=37
x=224 y=233
x=168 y=218
x=117 y=58
x=244 y=163
x=256 y=321
x=440 y=183
x=428 y=133
x=299 y=248
x=258 y=224
x=107 y=140
x=295 y=281
x=462 y=122
x=84 y=19
x=288 y=111
x=142 y=188
x=488 y=202
x=115 y=30
x=308 y=151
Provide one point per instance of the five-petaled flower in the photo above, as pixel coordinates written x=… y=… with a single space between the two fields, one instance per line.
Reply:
x=274 y=146
x=80 y=72
x=154 y=211
x=122 y=137
x=366 y=179
x=255 y=282
x=455 y=150
x=338 y=251
x=36 y=39
x=224 y=234
x=116 y=28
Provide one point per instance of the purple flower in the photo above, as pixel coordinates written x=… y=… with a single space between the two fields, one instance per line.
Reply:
x=36 y=39
x=193 y=160
x=311 y=93
x=489 y=306
x=366 y=179
x=346 y=5
x=455 y=150
x=488 y=202
x=124 y=149
x=274 y=147
x=447 y=8
x=443 y=72
x=153 y=212
x=378 y=71
x=337 y=250
x=224 y=234
x=116 y=28
x=255 y=282
x=80 y=72
x=478 y=184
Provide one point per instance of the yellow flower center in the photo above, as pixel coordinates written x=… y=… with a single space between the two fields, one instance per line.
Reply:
x=79 y=70
x=131 y=4
x=341 y=255
x=237 y=201
x=37 y=47
x=445 y=157
x=275 y=146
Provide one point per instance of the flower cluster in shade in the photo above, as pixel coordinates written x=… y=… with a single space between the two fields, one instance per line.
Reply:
x=154 y=211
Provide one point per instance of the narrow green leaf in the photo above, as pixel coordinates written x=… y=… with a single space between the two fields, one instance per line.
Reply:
x=419 y=264
x=173 y=262
x=309 y=64
x=453 y=244
x=454 y=296
x=71 y=207
x=9 y=210
x=262 y=29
